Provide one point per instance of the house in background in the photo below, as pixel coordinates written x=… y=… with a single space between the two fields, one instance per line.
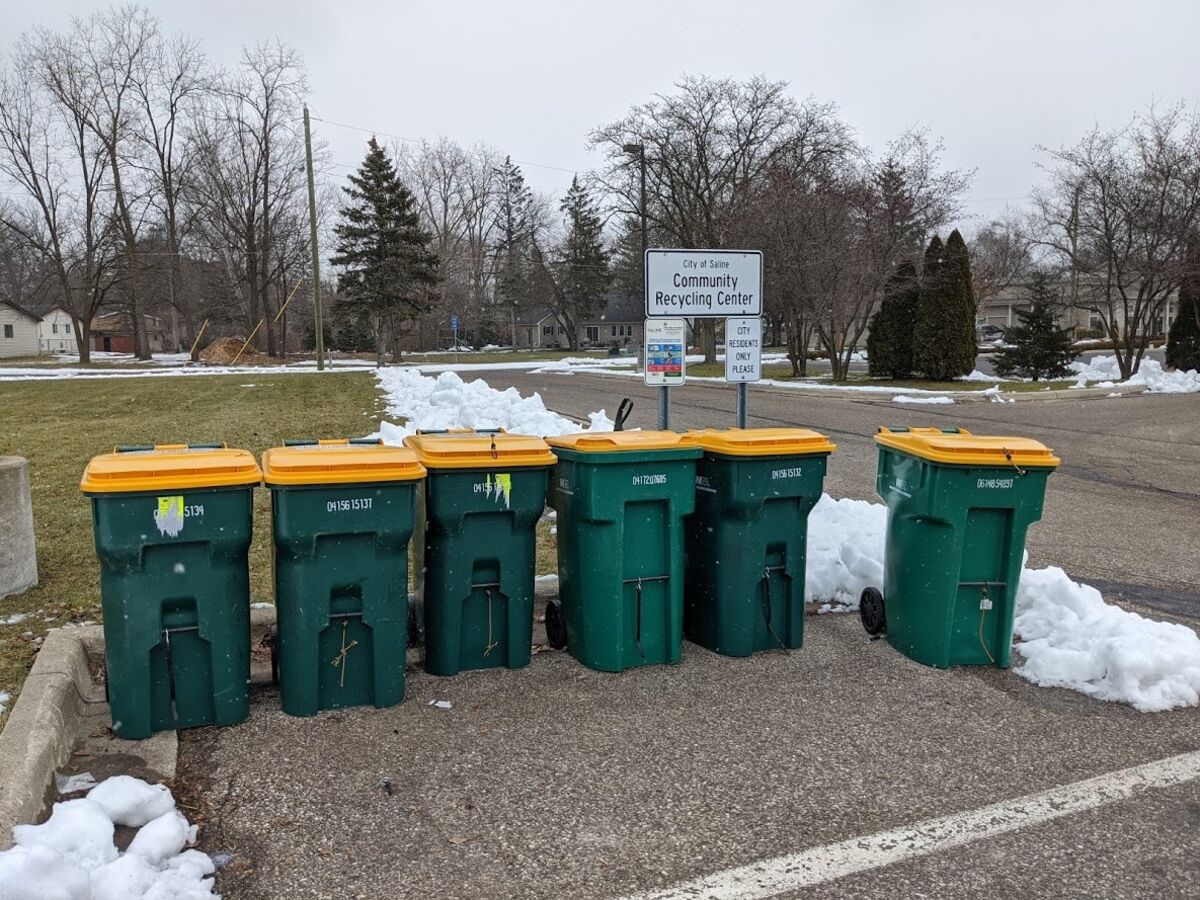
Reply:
x=619 y=322
x=56 y=331
x=113 y=333
x=1001 y=310
x=18 y=331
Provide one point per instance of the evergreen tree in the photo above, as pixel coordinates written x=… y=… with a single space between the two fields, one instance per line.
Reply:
x=514 y=252
x=944 y=339
x=386 y=262
x=583 y=273
x=890 y=343
x=1183 y=340
x=958 y=259
x=1037 y=347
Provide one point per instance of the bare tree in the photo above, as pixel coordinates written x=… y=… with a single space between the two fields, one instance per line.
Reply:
x=1001 y=253
x=170 y=84
x=1116 y=216
x=50 y=152
x=706 y=149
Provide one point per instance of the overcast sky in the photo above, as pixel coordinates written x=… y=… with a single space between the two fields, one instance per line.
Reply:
x=993 y=80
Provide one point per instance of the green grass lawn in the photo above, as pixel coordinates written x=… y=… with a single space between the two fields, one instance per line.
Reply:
x=59 y=425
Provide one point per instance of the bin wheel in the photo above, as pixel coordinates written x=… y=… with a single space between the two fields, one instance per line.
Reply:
x=556 y=625
x=871 y=610
x=414 y=625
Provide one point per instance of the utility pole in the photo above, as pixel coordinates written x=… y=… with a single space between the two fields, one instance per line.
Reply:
x=664 y=393
x=318 y=313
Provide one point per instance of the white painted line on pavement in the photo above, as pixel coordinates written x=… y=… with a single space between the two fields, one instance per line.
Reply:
x=771 y=877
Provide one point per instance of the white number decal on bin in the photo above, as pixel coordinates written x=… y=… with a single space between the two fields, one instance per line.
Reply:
x=348 y=504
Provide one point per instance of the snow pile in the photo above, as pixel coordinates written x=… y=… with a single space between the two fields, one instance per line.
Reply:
x=1068 y=636
x=993 y=394
x=976 y=375
x=1071 y=638
x=1150 y=374
x=72 y=855
x=5 y=696
x=444 y=402
x=905 y=398
x=845 y=551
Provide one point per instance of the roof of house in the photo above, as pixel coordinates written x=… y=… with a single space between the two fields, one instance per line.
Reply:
x=620 y=307
x=534 y=316
x=43 y=308
x=21 y=309
x=118 y=323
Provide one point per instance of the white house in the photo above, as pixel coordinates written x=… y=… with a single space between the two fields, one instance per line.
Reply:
x=18 y=331
x=56 y=333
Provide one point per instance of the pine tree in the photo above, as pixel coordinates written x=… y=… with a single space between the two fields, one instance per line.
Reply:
x=890 y=343
x=1037 y=347
x=583 y=273
x=944 y=340
x=386 y=263
x=515 y=236
x=958 y=259
x=1183 y=340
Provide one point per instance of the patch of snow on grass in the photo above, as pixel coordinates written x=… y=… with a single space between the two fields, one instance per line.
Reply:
x=1150 y=374
x=72 y=855
x=1069 y=637
x=5 y=696
x=14 y=619
x=444 y=402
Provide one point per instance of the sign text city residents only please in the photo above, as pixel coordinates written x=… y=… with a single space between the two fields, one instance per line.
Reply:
x=703 y=284
x=743 y=349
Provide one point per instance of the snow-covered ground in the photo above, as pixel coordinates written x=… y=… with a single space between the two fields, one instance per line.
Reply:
x=939 y=399
x=1069 y=637
x=26 y=373
x=435 y=404
x=1067 y=634
x=73 y=856
x=1150 y=374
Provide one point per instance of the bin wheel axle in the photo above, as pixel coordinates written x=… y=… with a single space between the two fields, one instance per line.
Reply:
x=872 y=612
x=556 y=625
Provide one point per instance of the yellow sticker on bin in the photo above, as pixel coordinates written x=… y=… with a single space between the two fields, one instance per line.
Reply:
x=340 y=462
x=763 y=441
x=962 y=448
x=479 y=450
x=169 y=467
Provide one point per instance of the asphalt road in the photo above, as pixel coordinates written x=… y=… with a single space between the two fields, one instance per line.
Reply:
x=556 y=781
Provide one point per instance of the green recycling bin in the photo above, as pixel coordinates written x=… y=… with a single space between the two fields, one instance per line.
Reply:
x=172 y=527
x=747 y=540
x=959 y=506
x=621 y=499
x=343 y=516
x=477 y=536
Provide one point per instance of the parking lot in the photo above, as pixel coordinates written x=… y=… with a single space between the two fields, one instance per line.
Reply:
x=557 y=781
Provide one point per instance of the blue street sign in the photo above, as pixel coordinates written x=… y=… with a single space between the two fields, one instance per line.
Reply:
x=454 y=322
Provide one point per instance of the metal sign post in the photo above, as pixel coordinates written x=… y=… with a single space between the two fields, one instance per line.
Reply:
x=743 y=359
x=454 y=334
x=666 y=361
x=701 y=284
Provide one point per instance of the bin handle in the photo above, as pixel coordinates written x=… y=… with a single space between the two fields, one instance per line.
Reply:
x=623 y=412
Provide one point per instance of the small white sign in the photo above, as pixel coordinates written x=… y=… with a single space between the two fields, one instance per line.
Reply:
x=743 y=349
x=666 y=351
x=703 y=284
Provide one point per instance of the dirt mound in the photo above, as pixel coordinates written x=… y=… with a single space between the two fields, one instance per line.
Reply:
x=223 y=351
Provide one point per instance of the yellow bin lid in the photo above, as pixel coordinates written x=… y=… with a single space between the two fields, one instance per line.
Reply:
x=339 y=462
x=479 y=450
x=965 y=449
x=763 y=441
x=169 y=467
x=618 y=441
